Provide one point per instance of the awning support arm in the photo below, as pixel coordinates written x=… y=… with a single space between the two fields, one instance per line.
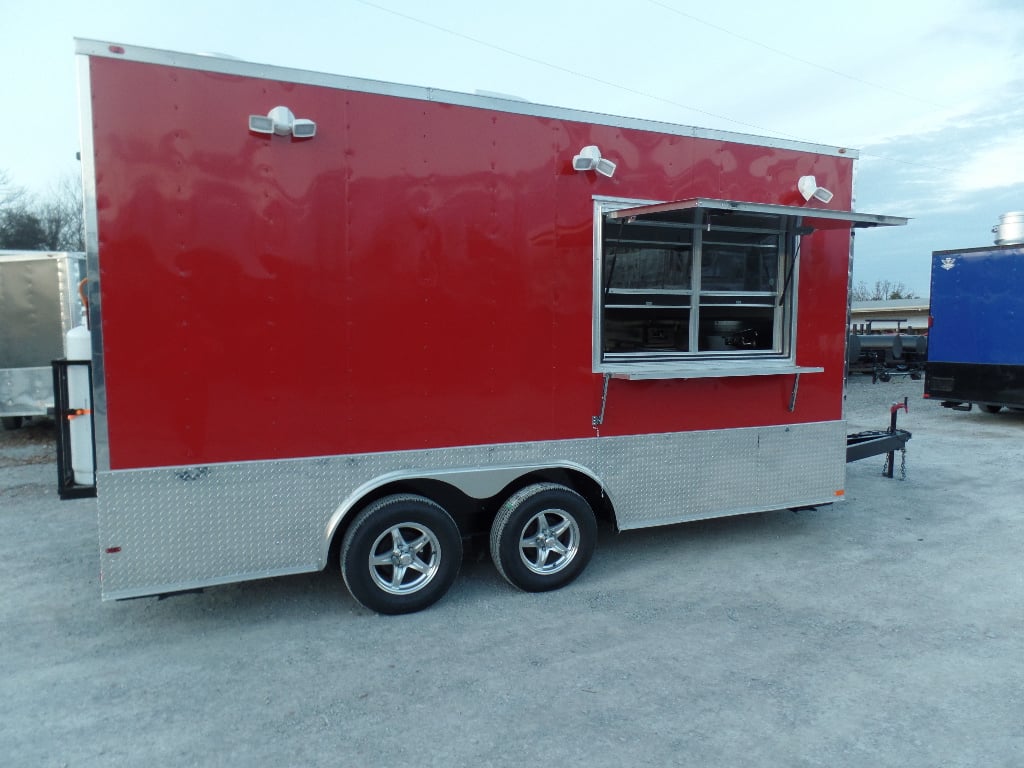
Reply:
x=597 y=421
x=792 y=397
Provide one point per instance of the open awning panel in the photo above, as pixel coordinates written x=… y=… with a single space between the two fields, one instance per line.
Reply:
x=813 y=218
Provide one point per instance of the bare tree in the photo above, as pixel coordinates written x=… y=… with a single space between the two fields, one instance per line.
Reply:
x=54 y=222
x=11 y=196
x=883 y=290
x=62 y=215
x=20 y=228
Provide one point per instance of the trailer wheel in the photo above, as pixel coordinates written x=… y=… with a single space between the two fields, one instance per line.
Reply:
x=543 y=537
x=401 y=554
x=992 y=408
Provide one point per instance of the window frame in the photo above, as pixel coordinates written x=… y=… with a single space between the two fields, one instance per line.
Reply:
x=695 y=362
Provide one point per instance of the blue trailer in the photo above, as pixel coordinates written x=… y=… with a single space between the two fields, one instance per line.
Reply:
x=976 y=345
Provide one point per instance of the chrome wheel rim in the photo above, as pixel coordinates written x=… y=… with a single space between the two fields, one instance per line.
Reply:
x=404 y=558
x=549 y=541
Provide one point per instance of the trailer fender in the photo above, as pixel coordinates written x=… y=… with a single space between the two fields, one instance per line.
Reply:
x=475 y=482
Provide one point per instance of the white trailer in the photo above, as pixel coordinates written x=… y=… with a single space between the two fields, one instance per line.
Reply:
x=39 y=304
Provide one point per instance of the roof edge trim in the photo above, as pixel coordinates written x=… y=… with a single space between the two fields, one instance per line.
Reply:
x=230 y=66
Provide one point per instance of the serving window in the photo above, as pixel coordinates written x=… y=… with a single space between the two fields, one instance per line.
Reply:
x=692 y=284
x=700 y=287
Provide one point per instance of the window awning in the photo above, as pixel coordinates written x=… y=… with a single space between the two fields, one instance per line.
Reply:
x=813 y=218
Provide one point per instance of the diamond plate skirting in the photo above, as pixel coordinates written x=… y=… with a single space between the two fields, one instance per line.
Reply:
x=169 y=529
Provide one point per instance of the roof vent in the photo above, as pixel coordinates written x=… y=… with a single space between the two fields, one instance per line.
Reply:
x=1010 y=229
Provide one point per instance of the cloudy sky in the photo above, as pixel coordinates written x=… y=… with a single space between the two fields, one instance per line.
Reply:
x=930 y=92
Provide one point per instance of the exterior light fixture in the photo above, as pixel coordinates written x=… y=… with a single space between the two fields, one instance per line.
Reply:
x=283 y=122
x=589 y=159
x=809 y=188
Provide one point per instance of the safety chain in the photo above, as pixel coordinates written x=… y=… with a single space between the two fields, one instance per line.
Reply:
x=903 y=464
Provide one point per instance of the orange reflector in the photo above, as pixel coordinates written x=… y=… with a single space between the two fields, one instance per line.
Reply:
x=840 y=492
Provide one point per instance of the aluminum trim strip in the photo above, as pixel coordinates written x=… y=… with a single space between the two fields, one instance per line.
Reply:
x=15 y=255
x=187 y=586
x=703 y=369
x=92 y=266
x=748 y=510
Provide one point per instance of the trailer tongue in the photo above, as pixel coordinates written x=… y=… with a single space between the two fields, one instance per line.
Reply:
x=861 y=445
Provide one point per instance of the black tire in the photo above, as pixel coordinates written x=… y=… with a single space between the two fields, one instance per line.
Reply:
x=12 y=422
x=992 y=408
x=543 y=537
x=401 y=554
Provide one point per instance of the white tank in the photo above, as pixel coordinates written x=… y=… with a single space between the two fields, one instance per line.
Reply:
x=1010 y=229
x=79 y=347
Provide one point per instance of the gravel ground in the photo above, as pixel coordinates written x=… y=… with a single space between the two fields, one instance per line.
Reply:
x=882 y=631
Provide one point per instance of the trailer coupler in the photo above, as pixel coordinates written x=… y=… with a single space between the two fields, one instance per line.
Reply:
x=861 y=445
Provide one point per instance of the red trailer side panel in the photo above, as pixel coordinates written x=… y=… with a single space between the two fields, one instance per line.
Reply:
x=417 y=275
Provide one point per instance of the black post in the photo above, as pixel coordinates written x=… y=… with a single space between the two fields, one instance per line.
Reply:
x=893 y=410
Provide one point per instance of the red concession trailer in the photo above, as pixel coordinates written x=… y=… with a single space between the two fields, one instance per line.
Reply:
x=347 y=323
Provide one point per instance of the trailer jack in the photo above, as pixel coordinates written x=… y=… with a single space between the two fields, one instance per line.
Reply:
x=860 y=445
